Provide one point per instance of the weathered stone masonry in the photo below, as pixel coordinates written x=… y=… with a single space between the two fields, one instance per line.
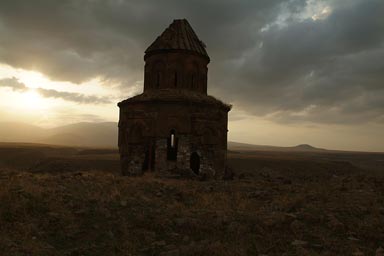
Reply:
x=174 y=124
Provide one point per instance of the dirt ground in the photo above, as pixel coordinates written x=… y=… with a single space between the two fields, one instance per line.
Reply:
x=72 y=201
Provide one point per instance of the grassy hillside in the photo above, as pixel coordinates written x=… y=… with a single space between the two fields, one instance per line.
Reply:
x=95 y=213
x=73 y=201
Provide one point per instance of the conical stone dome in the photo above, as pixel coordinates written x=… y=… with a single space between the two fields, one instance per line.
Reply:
x=178 y=36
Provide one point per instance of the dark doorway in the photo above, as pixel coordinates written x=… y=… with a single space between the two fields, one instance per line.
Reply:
x=145 y=166
x=195 y=162
x=149 y=159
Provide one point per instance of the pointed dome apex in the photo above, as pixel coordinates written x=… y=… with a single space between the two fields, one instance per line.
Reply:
x=178 y=36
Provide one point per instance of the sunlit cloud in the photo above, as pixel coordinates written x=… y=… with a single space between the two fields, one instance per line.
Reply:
x=74 y=97
x=31 y=93
x=324 y=13
x=310 y=9
x=13 y=83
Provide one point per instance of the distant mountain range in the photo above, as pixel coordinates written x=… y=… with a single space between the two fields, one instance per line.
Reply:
x=78 y=134
x=100 y=135
x=236 y=146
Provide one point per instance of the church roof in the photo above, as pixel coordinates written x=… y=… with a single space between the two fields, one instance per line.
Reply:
x=170 y=95
x=178 y=36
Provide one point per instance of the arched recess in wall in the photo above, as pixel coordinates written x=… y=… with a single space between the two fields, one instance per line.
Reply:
x=191 y=74
x=204 y=77
x=145 y=164
x=158 y=74
x=176 y=75
x=194 y=76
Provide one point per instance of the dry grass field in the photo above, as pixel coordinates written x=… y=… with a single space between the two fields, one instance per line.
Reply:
x=73 y=201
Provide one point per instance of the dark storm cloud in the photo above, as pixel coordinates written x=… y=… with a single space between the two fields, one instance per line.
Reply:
x=329 y=70
x=15 y=85
x=326 y=70
x=77 y=40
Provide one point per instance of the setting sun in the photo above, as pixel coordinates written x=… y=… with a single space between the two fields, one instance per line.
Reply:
x=32 y=79
x=32 y=100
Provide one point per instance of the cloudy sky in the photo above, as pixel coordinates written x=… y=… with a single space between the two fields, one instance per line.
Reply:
x=296 y=71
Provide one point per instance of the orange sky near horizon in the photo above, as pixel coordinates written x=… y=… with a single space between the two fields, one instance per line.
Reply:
x=30 y=107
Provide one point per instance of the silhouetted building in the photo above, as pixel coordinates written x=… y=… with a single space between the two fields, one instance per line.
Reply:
x=174 y=125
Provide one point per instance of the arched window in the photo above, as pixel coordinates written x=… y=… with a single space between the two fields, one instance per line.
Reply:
x=172 y=143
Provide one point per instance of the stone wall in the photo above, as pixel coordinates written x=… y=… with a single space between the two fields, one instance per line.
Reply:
x=176 y=70
x=145 y=127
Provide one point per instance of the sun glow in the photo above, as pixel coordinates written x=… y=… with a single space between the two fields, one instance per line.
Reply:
x=28 y=100
x=32 y=100
x=32 y=79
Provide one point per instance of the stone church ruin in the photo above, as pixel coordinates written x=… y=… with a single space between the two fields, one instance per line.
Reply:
x=174 y=125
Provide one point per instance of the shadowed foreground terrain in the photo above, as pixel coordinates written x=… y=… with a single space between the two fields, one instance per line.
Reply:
x=73 y=201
